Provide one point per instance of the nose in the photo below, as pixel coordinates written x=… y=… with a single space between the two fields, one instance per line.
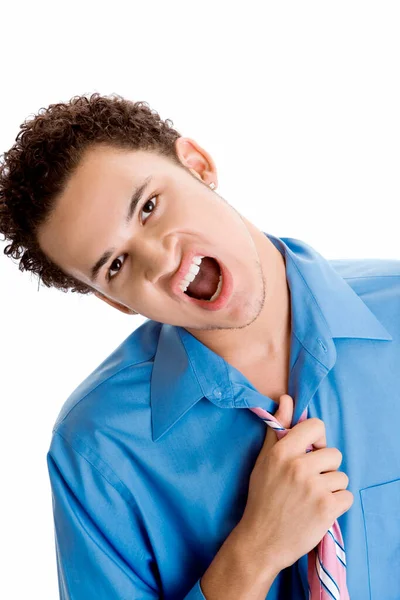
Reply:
x=159 y=257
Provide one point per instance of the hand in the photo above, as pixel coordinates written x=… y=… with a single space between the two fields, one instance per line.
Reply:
x=294 y=497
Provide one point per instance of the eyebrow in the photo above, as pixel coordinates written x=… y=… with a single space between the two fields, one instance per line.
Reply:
x=135 y=199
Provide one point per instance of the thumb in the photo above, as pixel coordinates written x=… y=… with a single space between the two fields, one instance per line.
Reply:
x=284 y=415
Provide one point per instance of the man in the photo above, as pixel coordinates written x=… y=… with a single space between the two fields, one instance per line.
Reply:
x=150 y=470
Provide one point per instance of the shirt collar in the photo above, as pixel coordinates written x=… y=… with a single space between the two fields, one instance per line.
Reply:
x=323 y=306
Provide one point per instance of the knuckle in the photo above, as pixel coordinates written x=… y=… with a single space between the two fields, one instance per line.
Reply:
x=335 y=456
x=298 y=470
x=324 y=506
x=318 y=423
x=278 y=453
x=339 y=455
x=309 y=488
x=346 y=480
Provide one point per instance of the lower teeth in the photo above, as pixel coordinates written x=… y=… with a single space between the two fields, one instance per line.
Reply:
x=217 y=291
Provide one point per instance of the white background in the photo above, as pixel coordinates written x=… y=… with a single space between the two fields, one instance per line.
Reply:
x=298 y=104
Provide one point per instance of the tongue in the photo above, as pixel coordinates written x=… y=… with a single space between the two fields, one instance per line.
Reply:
x=206 y=281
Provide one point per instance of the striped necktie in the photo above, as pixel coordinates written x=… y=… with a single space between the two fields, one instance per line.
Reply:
x=326 y=562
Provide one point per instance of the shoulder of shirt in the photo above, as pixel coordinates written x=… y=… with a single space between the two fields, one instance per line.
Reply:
x=375 y=280
x=132 y=360
x=366 y=268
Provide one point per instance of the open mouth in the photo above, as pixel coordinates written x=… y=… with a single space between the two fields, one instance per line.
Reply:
x=207 y=284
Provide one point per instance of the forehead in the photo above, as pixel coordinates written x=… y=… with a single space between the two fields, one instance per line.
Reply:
x=93 y=205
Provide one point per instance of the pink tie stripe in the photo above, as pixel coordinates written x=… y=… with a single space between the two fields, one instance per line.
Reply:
x=326 y=562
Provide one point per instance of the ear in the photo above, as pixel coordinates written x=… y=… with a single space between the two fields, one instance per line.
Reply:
x=115 y=304
x=197 y=160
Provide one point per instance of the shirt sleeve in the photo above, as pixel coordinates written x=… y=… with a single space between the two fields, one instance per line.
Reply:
x=102 y=549
x=93 y=558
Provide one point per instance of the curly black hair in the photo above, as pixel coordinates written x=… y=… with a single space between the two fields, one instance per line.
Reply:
x=47 y=149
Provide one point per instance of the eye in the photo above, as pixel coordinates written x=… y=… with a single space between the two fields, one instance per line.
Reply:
x=109 y=276
x=148 y=203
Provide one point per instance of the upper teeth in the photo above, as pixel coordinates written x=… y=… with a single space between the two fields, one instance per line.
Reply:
x=191 y=274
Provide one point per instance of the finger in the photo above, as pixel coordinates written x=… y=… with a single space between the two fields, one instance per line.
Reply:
x=304 y=434
x=283 y=415
x=323 y=460
x=334 y=481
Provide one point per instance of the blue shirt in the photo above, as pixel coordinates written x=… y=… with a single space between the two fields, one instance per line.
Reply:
x=151 y=455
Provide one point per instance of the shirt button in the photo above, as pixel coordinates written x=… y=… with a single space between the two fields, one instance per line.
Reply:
x=321 y=343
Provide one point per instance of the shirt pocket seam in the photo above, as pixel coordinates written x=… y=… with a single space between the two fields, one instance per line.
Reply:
x=365 y=519
x=366 y=541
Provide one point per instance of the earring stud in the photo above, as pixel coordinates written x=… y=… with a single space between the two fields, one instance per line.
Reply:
x=212 y=185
